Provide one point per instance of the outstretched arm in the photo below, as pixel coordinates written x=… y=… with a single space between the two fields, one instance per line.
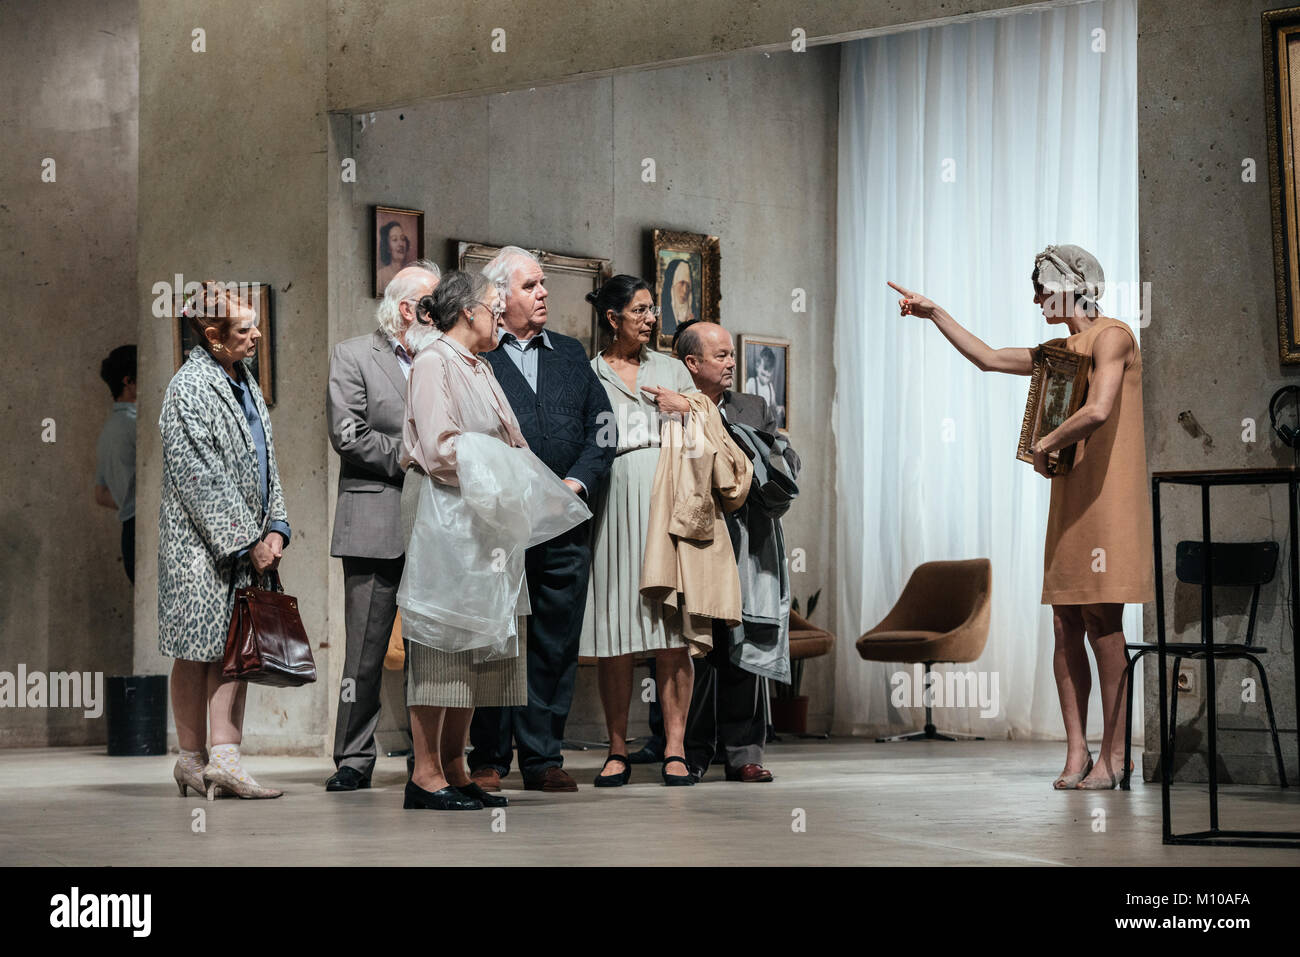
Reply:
x=1014 y=361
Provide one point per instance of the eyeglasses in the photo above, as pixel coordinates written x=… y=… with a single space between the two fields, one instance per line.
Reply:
x=641 y=312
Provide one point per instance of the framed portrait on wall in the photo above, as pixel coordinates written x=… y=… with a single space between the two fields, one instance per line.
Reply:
x=1057 y=389
x=764 y=370
x=256 y=295
x=1282 y=121
x=686 y=286
x=398 y=242
x=568 y=280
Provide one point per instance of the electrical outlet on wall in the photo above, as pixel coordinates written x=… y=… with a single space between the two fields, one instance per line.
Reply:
x=1188 y=682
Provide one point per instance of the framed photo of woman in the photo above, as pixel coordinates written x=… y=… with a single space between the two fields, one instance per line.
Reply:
x=398 y=242
x=686 y=283
x=764 y=371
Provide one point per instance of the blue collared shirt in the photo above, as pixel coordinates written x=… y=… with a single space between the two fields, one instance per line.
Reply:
x=524 y=354
x=115 y=458
x=244 y=396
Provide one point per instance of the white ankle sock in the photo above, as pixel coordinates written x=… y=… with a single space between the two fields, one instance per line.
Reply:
x=226 y=757
x=192 y=761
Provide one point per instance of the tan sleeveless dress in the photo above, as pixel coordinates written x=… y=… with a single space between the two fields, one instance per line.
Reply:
x=1098 y=546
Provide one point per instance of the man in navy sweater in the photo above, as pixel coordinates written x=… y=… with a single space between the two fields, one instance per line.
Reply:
x=561 y=407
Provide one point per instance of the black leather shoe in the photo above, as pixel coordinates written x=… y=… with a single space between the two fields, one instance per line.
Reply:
x=443 y=799
x=347 y=779
x=697 y=773
x=476 y=793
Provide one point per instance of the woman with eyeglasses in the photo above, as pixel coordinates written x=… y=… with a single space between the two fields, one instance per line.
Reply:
x=619 y=624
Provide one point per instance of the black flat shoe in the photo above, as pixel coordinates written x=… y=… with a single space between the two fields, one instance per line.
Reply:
x=676 y=780
x=443 y=799
x=476 y=793
x=347 y=779
x=614 y=780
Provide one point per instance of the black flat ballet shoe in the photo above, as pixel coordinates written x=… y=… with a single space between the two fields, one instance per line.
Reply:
x=676 y=780
x=476 y=793
x=614 y=780
x=443 y=799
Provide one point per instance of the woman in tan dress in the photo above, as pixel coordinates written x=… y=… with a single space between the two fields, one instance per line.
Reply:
x=1097 y=555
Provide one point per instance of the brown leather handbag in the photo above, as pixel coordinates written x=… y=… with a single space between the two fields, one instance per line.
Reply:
x=267 y=643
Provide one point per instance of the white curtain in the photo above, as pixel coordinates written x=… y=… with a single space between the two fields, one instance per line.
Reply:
x=963 y=151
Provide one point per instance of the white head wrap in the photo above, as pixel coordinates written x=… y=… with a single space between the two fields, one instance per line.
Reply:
x=1070 y=269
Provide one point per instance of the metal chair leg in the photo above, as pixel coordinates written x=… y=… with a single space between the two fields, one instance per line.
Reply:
x=1173 y=711
x=1129 y=670
x=1272 y=722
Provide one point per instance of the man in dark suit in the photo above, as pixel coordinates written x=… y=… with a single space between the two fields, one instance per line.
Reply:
x=562 y=408
x=726 y=703
x=365 y=407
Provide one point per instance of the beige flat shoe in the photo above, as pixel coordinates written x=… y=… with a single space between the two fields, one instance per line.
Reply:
x=241 y=785
x=1070 y=782
x=1108 y=785
x=188 y=779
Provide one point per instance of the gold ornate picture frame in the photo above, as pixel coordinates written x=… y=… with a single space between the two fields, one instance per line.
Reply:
x=687 y=267
x=1282 y=122
x=1057 y=389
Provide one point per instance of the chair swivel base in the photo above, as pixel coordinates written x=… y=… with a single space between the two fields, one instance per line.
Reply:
x=932 y=734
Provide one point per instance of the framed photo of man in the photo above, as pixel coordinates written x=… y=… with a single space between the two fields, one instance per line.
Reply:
x=568 y=280
x=398 y=242
x=256 y=295
x=686 y=286
x=765 y=371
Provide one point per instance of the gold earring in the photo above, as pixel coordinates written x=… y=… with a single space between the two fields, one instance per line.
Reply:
x=217 y=347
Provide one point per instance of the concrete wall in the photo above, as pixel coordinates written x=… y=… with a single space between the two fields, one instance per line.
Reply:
x=1211 y=348
x=67 y=255
x=745 y=150
x=233 y=187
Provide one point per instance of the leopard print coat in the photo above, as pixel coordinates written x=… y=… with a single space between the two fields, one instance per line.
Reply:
x=211 y=506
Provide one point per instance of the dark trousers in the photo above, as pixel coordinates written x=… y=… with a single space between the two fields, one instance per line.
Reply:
x=369 y=607
x=557 y=573
x=725 y=710
x=128 y=548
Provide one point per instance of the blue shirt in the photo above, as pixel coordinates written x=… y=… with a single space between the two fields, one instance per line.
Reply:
x=524 y=353
x=244 y=396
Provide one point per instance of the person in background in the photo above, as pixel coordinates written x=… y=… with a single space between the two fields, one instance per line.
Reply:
x=561 y=409
x=221 y=521
x=727 y=705
x=365 y=406
x=115 y=453
x=620 y=623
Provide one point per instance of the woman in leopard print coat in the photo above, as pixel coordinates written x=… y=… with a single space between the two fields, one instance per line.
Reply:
x=222 y=517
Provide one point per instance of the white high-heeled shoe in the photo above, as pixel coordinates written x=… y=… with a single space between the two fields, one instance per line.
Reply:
x=235 y=780
x=188 y=779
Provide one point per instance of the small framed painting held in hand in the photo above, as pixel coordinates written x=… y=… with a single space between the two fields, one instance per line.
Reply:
x=1057 y=389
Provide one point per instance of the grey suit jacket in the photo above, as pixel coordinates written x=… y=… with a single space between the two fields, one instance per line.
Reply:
x=753 y=410
x=364 y=408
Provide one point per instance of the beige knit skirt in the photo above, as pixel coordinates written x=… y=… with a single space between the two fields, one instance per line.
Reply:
x=441 y=680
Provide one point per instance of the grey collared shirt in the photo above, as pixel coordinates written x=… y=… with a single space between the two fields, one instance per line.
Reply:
x=115 y=459
x=524 y=353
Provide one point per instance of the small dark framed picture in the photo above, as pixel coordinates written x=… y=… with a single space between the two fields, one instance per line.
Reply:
x=1057 y=389
x=765 y=371
x=686 y=270
x=399 y=241
x=256 y=295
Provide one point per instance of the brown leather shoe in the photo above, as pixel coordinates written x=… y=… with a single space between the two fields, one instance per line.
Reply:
x=487 y=778
x=553 y=779
x=750 y=774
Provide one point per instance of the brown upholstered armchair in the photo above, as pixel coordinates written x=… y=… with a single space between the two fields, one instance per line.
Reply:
x=942 y=616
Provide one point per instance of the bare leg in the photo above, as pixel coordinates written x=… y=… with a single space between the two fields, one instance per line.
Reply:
x=226 y=697
x=1104 y=623
x=426 y=736
x=676 y=676
x=1073 y=684
x=455 y=737
x=189 y=686
x=614 y=677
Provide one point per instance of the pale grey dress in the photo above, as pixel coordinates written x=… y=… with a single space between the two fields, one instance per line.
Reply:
x=618 y=621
